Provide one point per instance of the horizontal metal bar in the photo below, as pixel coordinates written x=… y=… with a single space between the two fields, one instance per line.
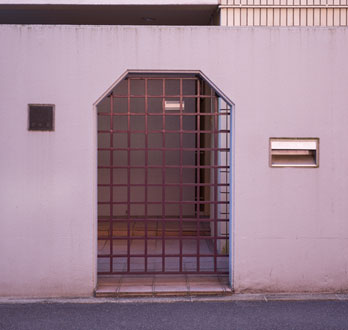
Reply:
x=186 y=237
x=177 y=96
x=118 y=131
x=166 y=202
x=160 y=220
x=165 y=149
x=158 y=77
x=165 y=272
x=164 y=166
x=161 y=255
x=150 y=114
x=161 y=184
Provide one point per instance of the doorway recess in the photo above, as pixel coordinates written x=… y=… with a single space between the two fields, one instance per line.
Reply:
x=163 y=176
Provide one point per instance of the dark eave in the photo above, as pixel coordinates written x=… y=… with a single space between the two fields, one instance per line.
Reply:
x=109 y=14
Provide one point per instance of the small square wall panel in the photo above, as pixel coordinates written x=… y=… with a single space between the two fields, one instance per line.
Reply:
x=41 y=117
x=294 y=152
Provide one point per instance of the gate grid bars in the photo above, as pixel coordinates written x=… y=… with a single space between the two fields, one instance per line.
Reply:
x=163 y=177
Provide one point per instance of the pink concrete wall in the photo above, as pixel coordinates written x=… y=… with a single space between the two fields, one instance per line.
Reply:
x=290 y=229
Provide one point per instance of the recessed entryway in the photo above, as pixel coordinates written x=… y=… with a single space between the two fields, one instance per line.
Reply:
x=163 y=177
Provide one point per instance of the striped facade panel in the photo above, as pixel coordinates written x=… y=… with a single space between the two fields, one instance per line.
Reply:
x=284 y=12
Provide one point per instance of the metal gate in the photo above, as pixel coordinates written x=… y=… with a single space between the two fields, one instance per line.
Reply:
x=163 y=177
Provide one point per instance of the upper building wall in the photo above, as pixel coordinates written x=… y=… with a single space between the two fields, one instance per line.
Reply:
x=110 y=2
x=180 y=12
x=284 y=12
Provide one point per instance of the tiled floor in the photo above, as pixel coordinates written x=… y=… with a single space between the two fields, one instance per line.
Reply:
x=159 y=285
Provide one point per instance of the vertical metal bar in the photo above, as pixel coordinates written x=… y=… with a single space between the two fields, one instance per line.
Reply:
x=253 y=13
x=222 y=140
x=163 y=174
x=266 y=12
x=146 y=170
x=181 y=177
x=111 y=181
x=227 y=163
x=313 y=11
x=272 y=17
x=215 y=132
x=221 y=171
x=231 y=198
x=128 y=175
x=198 y=150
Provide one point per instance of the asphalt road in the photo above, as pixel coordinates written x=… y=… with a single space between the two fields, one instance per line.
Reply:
x=240 y=315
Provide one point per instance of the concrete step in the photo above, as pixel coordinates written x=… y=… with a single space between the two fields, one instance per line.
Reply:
x=162 y=285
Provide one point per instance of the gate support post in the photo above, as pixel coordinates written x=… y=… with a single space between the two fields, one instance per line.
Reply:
x=231 y=204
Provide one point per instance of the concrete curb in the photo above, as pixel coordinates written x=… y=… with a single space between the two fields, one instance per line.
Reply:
x=141 y=300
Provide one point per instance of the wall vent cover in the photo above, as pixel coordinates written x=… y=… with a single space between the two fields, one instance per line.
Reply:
x=41 y=118
x=294 y=152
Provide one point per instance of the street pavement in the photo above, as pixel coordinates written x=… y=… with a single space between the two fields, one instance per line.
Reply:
x=238 y=315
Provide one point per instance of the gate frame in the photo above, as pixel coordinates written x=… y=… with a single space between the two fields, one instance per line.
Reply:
x=231 y=222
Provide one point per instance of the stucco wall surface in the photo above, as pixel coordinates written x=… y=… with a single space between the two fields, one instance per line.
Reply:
x=290 y=226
